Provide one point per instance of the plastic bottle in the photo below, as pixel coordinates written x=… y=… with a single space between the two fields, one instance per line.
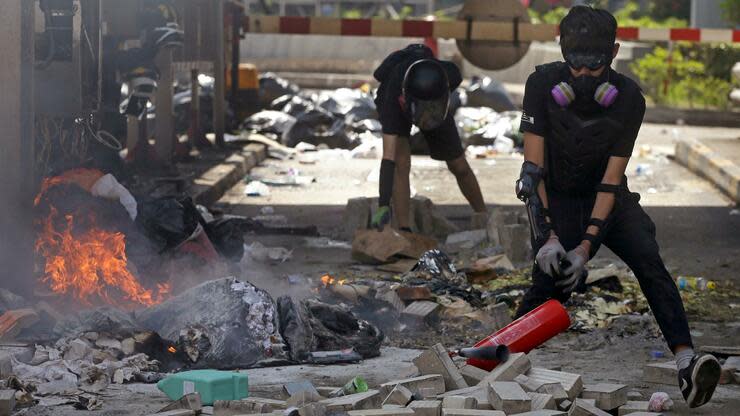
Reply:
x=696 y=283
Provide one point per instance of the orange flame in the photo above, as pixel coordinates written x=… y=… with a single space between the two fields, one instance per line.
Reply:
x=328 y=280
x=171 y=349
x=90 y=265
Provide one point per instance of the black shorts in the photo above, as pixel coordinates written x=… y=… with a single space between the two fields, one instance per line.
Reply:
x=444 y=141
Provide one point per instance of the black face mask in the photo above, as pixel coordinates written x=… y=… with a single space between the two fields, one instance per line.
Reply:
x=585 y=87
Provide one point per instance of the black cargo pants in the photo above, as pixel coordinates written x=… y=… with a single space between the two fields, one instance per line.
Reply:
x=630 y=234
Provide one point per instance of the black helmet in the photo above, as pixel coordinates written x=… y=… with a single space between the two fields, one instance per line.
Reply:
x=426 y=93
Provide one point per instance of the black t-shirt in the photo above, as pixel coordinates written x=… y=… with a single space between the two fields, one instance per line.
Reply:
x=391 y=71
x=538 y=107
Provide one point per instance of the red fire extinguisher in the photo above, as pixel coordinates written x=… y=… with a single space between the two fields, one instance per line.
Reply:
x=527 y=332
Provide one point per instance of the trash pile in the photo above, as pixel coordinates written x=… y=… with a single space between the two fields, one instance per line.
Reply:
x=347 y=118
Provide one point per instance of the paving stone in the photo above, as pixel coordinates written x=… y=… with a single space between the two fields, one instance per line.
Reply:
x=509 y=397
x=247 y=406
x=391 y=297
x=435 y=382
x=312 y=409
x=543 y=412
x=391 y=406
x=426 y=407
x=556 y=390
x=608 y=396
x=294 y=387
x=507 y=371
x=370 y=399
x=189 y=401
x=472 y=374
x=564 y=405
x=634 y=395
x=500 y=314
x=732 y=362
x=632 y=407
x=661 y=373
x=581 y=407
x=436 y=360
x=542 y=401
x=7 y=402
x=420 y=312
x=572 y=383
x=646 y=414
x=471 y=412
x=479 y=392
x=356 y=216
x=412 y=293
x=401 y=411
x=302 y=397
x=176 y=412
x=515 y=239
x=459 y=402
x=400 y=396
x=6 y=365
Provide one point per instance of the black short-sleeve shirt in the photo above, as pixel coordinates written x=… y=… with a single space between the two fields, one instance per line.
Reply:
x=627 y=111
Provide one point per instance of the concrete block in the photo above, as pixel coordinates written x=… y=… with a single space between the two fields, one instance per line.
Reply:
x=312 y=409
x=436 y=360
x=6 y=365
x=356 y=215
x=661 y=373
x=608 y=396
x=472 y=374
x=401 y=411
x=632 y=407
x=426 y=407
x=466 y=239
x=543 y=412
x=391 y=406
x=496 y=220
x=303 y=397
x=413 y=293
x=500 y=314
x=479 y=220
x=634 y=395
x=420 y=312
x=370 y=399
x=565 y=405
x=246 y=406
x=542 y=401
x=435 y=382
x=479 y=392
x=471 y=412
x=7 y=402
x=516 y=242
x=176 y=412
x=459 y=402
x=508 y=397
x=400 y=396
x=556 y=390
x=572 y=383
x=507 y=371
x=189 y=401
x=646 y=414
x=582 y=407
x=732 y=362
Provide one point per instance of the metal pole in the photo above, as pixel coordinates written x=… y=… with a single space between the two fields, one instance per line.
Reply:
x=164 y=130
x=194 y=133
x=218 y=74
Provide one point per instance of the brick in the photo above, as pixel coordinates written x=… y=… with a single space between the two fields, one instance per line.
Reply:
x=6 y=365
x=420 y=312
x=412 y=293
x=471 y=412
x=247 y=406
x=435 y=382
x=543 y=412
x=176 y=412
x=401 y=411
x=660 y=373
x=479 y=392
x=515 y=240
x=556 y=390
x=572 y=383
x=294 y=387
x=500 y=314
x=646 y=414
x=189 y=401
x=312 y=409
x=632 y=407
x=608 y=396
x=303 y=397
x=507 y=371
x=426 y=407
x=565 y=405
x=7 y=402
x=400 y=395
x=508 y=397
x=370 y=399
x=436 y=360
x=472 y=374
x=459 y=402
x=391 y=297
x=581 y=407
x=542 y=401
x=356 y=216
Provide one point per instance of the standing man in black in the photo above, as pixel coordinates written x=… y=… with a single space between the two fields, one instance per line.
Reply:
x=415 y=89
x=580 y=123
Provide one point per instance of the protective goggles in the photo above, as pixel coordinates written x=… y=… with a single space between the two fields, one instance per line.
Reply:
x=592 y=61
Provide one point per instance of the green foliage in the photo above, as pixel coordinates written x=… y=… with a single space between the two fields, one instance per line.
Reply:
x=731 y=11
x=352 y=14
x=673 y=78
x=630 y=16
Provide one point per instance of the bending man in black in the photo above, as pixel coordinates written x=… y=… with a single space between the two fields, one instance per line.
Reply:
x=415 y=89
x=580 y=123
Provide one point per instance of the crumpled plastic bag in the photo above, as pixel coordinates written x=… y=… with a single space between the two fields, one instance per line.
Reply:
x=269 y=122
x=108 y=187
x=318 y=127
x=168 y=221
x=272 y=87
x=352 y=104
x=487 y=92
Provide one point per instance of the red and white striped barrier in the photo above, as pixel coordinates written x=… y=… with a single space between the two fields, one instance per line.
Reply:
x=461 y=29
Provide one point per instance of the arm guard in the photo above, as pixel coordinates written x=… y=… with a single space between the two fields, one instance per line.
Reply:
x=526 y=190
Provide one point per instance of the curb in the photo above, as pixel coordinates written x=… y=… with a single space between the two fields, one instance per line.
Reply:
x=703 y=161
x=211 y=186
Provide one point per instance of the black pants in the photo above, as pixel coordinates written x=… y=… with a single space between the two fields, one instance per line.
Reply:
x=630 y=234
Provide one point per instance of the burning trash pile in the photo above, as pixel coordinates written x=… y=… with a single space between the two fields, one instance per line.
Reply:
x=347 y=118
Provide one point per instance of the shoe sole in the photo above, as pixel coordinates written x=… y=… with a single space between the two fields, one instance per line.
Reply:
x=704 y=379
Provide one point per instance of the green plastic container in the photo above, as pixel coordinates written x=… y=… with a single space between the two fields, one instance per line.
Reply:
x=211 y=384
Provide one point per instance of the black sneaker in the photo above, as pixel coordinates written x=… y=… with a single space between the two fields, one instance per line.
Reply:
x=698 y=380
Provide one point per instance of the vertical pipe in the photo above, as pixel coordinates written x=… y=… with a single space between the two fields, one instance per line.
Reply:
x=164 y=130
x=194 y=133
x=236 y=18
x=218 y=74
